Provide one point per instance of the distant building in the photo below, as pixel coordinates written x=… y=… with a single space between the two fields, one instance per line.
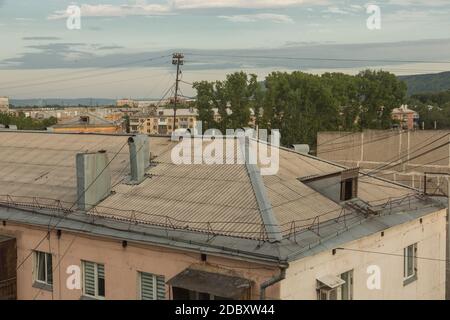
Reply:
x=4 y=104
x=127 y=103
x=89 y=123
x=409 y=119
x=161 y=121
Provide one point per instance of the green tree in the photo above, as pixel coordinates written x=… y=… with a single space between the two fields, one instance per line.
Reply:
x=380 y=92
x=299 y=105
x=232 y=98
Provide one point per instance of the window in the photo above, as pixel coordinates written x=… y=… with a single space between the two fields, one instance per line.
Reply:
x=410 y=264
x=349 y=189
x=333 y=287
x=93 y=280
x=151 y=287
x=43 y=268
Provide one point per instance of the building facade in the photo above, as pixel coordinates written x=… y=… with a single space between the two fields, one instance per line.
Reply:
x=408 y=119
x=161 y=121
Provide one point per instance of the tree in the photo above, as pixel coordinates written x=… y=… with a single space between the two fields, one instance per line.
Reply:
x=232 y=98
x=299 y=105
x=204 y=103
x=26 y=123
x=344 y=89
x=380 y=92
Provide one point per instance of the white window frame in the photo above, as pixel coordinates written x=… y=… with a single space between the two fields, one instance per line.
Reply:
x=96 y=296
x=406 y=256
x=155 y=284
x=36 y=268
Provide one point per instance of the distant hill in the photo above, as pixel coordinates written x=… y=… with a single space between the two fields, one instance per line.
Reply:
x=427 y=83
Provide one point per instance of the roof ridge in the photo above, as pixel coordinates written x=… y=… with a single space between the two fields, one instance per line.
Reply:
x=268 y=218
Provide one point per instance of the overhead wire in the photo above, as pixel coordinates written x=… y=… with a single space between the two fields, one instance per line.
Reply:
x=88 y=76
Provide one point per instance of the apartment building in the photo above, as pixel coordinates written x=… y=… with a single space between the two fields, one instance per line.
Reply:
x=408 y=119
x=113 y=217
x=161 y=121
x=4 y=104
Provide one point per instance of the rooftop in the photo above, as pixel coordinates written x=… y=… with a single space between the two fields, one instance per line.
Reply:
x=86 y=119
x=220 y=207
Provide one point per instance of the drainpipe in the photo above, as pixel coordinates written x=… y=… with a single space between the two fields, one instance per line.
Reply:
x=274 y=280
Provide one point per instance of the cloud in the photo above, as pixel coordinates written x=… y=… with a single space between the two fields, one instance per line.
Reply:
x=24 y=19
x=142 y=8
x=335 y=10
x=40 y=38
x=419 y=2
x=248 y=4
x=110 y=47
x=272 y=17
x=109 y=10
x=84 y=55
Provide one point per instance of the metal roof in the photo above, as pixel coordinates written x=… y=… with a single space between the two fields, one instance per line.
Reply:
x=216 y=200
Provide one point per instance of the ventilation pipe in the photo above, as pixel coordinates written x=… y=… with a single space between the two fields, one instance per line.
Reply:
x=139 y=157
x=301 y=148
x=93 y=179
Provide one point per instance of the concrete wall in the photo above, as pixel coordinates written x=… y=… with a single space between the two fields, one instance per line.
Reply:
x=395 y=155
x=121 y=264
x=431 y=238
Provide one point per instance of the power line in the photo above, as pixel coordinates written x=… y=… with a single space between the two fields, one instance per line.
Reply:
x=65 y=216
x=351 y=146
x=393 y=254
x=82 y=194
x=407 y=153
x=90 y=85
x=73 y=205
x=418 y=156
x=76 y=78
x=315 y=58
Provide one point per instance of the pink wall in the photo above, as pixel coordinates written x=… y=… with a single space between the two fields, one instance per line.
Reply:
x=121 y=264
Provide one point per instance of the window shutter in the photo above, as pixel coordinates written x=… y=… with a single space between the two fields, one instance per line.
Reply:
x=161 y=288
x=152 y=287
x=101 y=271
x=147 y=287
x=89 y=278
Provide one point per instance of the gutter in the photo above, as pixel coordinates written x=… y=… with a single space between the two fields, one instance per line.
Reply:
x=272 y=281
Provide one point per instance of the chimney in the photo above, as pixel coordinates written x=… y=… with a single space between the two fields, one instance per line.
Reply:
x=139 y=157
x=93 y=179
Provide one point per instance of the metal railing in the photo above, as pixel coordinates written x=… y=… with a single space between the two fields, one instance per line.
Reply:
x=238 y=228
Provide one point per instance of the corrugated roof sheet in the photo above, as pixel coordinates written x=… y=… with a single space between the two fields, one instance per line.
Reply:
x=215 y=199
x=43 y=165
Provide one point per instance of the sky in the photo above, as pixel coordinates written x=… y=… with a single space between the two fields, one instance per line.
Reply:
x=109 y=55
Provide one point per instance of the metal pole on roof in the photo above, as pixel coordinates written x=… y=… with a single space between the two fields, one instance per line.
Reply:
x=178 y=60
